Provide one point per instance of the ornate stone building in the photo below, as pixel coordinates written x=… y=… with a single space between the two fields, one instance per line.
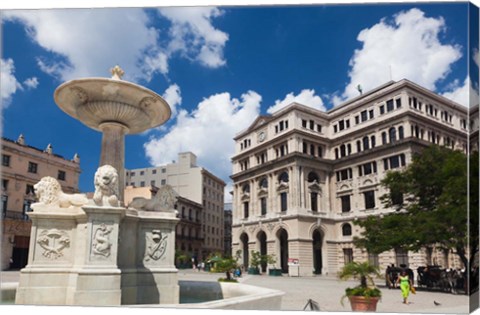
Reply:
x=22 y=167
x=301 y=176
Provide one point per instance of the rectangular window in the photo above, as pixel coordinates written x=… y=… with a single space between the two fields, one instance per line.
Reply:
x=152 y=183
x=32 y=167
x=26 y=208
x=245 y=210
x=312 y=124
x=357 y=120
x=154 y=171
x=345 y=203
x=364 y=116
x=164 y=170
x=369 y=199
x=4 y=205
x=347 y=255
x=283 y=201
x=319 y=128
x=394 y=162
x=382 y=110
x=142 y=173
x=4 y=184
x=389 y=105
x=29 y=189
x=304 y=123
x=398 y=102
x=61 y=175
x=341 y=125
x=370 y=113
x=314 y=201
x=263 y=205
x=5 y=160
x=142 y=184
x=335 y=128
x=347 y=123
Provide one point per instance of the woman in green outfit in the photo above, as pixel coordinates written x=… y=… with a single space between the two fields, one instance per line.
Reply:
x=405 y=284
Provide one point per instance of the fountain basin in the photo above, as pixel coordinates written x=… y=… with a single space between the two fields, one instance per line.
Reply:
x=202 y=295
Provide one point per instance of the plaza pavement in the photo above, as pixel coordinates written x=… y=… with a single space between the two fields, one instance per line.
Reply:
x=327 y=292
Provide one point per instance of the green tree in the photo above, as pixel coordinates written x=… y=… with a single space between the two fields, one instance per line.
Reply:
x=431 y=198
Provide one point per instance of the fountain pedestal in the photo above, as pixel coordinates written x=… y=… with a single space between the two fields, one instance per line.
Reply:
x=95 y=255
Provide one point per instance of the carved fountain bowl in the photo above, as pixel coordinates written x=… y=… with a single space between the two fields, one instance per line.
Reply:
x=94 y=101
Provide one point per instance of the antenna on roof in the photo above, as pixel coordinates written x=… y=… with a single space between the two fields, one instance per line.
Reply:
x=359 y=88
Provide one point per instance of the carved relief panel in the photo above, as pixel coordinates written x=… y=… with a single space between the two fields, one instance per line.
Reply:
x=102 y=241
x=52 y=244
x=156 y=244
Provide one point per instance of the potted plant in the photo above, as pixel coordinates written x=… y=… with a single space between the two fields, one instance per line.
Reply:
x=364 y=297
x=271 y=261
x=255 y=261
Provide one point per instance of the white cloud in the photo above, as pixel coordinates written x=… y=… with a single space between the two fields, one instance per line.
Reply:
x=88 y=42
x=31 y=83
x=194 y=35
x=9 y=83
x=93 y=41
x=173 y=97
x=217 y=117
x=306 y=97
x=408 y=48
x=465 y=94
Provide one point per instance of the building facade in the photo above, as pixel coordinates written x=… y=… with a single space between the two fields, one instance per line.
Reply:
x=22 y=167
x=302 y=176
x=195 y=184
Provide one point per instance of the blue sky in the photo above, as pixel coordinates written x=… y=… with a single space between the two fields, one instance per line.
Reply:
x=220 y=67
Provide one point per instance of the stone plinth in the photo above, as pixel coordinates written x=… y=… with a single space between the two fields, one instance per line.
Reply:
x=149 y=275
x=96 y=256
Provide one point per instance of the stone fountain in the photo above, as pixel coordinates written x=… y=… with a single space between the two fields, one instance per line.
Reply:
x=114 y=107
x=96 y=251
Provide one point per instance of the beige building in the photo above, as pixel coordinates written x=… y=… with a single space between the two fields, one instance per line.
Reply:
x=188 y=236
x=22 y=167
x=301 y=176
x=194 y=183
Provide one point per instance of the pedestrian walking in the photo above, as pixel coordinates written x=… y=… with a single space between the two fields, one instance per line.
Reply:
x=405 y=285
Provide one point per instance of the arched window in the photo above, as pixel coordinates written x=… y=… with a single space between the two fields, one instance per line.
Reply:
x=366 y=143
x=312 y=176
x=400 y=132
x=372 y=141
x=336 y=153
x=359 y=146
x=349 y=149
x=346 y=230
x=263 y=183
x=392 y=132
x=342 y=150
x=283 y=177
x=384 y=137
x=246 y=188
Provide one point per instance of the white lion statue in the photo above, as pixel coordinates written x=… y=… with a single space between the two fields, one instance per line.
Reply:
x=164 y=201
x=106 y=186
x=49 y=193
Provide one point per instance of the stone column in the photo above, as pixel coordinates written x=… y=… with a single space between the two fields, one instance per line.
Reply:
x=113 y=150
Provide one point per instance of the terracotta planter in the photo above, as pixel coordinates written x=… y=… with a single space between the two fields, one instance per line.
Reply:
x=363 y=304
